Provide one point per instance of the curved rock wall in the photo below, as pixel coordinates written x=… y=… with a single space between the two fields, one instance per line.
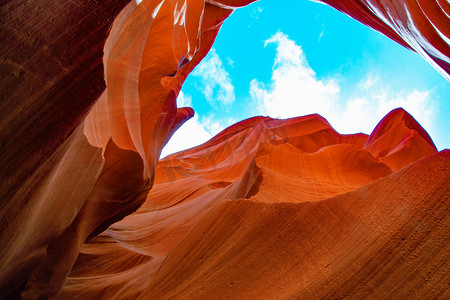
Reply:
x=421 y=25
x=77 y=157
x=282 y=208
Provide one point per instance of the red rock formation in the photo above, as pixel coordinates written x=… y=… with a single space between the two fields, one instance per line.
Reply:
x=421 y=25
x=67 y=176
x=51 y=74
x=263 y=210
x=392 y=139
x=387 y=239
x=128 y=127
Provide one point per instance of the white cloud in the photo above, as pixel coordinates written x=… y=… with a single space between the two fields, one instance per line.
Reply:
x=215 y=82
x=368 y=82
x=190 y=134
x=184 y=100
x=362 y=114
x=230 y=62
x=195 y=131
x=418 y=103
x=215 y=125
x=256 y=12
x=295 y=90
x=320 y=35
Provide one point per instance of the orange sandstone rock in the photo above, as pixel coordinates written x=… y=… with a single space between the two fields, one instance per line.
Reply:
x=387 y=239
x=392 y=140
x=421 y=25
x=274 y=209
x=77 y=157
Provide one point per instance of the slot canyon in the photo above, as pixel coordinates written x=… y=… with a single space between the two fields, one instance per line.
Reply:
x=267 y=209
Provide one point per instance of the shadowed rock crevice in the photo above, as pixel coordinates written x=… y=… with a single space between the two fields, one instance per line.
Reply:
x=292 y=231
x=83 y=120
x=372 y=242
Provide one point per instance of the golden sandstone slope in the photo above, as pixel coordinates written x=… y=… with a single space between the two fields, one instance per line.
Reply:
x=282 y=208
x=267 y=208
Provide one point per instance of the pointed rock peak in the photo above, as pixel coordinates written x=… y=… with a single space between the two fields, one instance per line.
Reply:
x=399 y=140
x=394 y=118
x=238 y=127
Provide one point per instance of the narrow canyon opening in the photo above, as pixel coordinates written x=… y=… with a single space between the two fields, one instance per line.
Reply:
x=267 y=208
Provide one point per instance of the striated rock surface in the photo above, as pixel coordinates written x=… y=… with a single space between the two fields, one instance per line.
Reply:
x=80 y=173
x=51 y=73
x=77 y=157
x=274 y=208
x=388 y=239
x=421 y=25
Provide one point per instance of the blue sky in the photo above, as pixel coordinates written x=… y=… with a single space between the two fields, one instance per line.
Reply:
x=304 y=57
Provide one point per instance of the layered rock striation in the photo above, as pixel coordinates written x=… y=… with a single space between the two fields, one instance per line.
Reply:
x=89 y=100
x=274 y=208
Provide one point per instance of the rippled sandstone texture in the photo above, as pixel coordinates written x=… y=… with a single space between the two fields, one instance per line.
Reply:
x=77 y=157
x=272 y=209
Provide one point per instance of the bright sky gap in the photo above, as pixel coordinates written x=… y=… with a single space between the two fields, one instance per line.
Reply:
x=280 y=62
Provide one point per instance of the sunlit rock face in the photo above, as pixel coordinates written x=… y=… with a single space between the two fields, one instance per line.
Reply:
x=275 y=208
x=78 y=157
x=421 y=25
